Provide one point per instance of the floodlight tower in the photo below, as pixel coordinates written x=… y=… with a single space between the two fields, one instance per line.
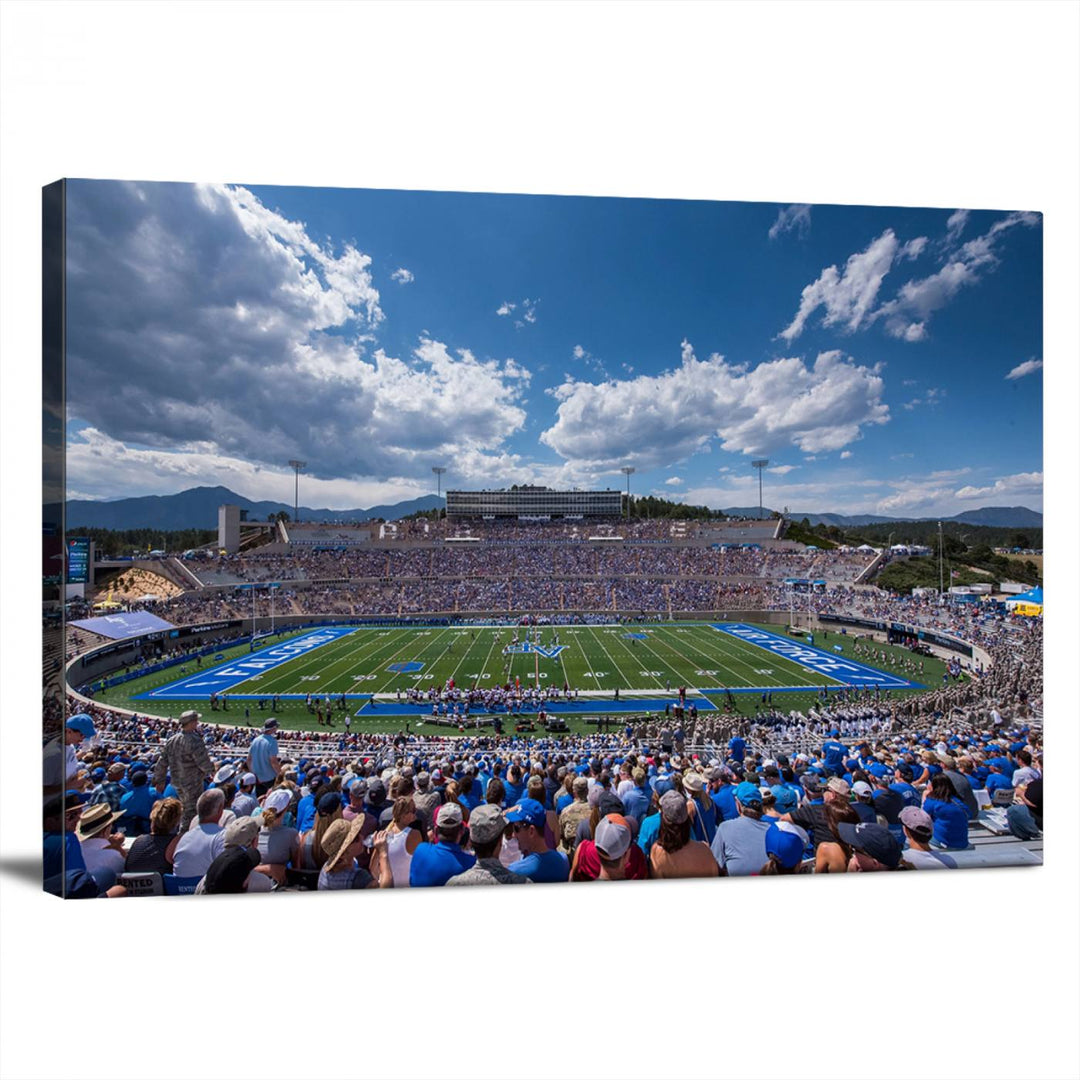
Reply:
x=438 y=470
x=941 y=560
x=297 y=467
x=760 y=465
x=628 y=471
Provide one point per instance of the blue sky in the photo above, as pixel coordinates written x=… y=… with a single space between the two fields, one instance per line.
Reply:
x=885 y=360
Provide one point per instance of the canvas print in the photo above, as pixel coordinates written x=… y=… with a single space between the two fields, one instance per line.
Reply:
x=410 y=539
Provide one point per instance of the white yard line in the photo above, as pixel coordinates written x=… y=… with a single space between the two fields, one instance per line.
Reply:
x=669 y=643
x=318 y=657
x=396 y=675
x=610 y=657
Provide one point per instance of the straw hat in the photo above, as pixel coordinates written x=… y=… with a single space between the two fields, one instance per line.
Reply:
x=96 y=819
x=337 y=839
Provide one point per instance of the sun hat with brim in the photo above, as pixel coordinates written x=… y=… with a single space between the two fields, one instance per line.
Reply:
x=226 y=772
x=338 y=837
x=693 y=782
x=96 y=819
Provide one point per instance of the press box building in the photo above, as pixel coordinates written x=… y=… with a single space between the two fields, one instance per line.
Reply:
x=534 y=502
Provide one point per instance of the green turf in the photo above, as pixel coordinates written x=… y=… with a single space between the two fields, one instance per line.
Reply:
x=596 y=658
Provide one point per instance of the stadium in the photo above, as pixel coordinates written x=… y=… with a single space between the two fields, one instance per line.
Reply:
x=702 y=652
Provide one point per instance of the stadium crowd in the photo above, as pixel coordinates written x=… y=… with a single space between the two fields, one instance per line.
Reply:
x=860 y=781
x=528 y=559
x=853 y=785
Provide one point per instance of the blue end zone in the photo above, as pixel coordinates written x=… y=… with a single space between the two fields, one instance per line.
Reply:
x=406 y=667
x=849 y=672
x=218 y=680
x=637 y=637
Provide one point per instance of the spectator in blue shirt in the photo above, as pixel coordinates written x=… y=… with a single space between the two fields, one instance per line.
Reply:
x=863 y=801
x=136 y=805
x=638 y=800
x=305 y=808
x=538 y=861
x=650 y=826
x=436 y=863
x=722 y=793
x=903 y=786
x=998 y=780
x=834 y=754
x=566 y=794
x=469 y=794
x=736 y=749
x=515 y=785
x=60 y=816
x=704 y=813
x=263 y=758
x=948 y=813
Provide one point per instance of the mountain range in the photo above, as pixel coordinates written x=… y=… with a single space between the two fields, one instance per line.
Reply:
x=995 y=517
x=197 y=508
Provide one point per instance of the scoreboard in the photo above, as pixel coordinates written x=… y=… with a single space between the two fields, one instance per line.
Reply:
x=78 y=560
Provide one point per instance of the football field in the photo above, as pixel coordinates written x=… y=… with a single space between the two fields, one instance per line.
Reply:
x=613 y=668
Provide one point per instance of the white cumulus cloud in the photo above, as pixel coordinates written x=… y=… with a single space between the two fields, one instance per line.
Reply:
x=847 y=295
x=1028 y=367
x=955 y=225
x=1018 y=485
x=907 y=313
x=795 y=217
x=673 y=481
x=653 y=420
x=403 y=276
x=198 y=315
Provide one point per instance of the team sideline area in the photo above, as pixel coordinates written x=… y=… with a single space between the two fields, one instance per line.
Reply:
x=817 y=726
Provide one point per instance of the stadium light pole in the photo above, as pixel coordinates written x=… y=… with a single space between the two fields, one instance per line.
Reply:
x=297 y=467
x=628 y=471
x=941 y=560
x=760 y=466
x=438 y=470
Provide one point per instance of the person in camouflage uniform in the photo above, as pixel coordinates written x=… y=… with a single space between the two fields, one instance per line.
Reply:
x=187 y=763
x=486 y=827
x=578 y=811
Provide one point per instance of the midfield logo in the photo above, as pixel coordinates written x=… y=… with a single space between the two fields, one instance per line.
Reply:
x=548 y=652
